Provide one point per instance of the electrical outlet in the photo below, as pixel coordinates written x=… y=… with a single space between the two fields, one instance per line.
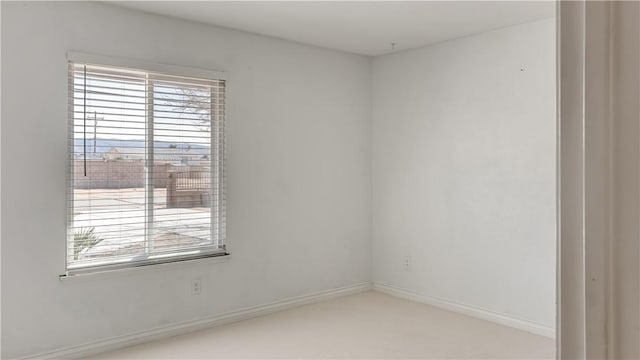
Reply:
x=196 y=287
x=406 y=263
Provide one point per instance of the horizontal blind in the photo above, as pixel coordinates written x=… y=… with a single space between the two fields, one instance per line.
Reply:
x=146 y=174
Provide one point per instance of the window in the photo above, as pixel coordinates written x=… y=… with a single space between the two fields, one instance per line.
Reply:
x=146 y=167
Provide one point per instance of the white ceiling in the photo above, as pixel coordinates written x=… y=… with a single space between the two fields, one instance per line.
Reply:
x=362 y=27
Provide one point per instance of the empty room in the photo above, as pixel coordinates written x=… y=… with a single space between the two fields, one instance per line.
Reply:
x=206 y=180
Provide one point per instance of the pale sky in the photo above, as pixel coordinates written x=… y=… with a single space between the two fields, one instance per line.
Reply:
x=120 y=109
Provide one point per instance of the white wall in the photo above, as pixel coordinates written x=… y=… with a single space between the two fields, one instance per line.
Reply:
x=298 y=174
x=463 y=153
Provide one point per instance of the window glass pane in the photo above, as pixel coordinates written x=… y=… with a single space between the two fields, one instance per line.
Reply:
x=182 y=163
x=108 y=167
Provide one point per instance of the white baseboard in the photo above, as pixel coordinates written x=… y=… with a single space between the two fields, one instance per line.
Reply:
x=96 y=347
x=493 y=316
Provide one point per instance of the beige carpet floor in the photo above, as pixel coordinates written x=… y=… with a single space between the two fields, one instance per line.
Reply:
x=367 y=325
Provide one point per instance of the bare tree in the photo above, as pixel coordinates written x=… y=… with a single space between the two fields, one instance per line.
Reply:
x=195 y=101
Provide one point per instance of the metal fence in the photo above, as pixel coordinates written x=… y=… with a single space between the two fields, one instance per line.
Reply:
x=192 y=180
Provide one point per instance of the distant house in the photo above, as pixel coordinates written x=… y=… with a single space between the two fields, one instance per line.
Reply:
x=88 y=156
x=125 y=153
x=174 y=156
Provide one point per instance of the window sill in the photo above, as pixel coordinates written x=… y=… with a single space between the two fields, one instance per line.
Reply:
x=127 y=271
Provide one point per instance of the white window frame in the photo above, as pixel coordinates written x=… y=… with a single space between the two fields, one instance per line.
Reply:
x=162 y=69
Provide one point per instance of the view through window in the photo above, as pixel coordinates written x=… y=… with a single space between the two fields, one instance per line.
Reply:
x=146 y=167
